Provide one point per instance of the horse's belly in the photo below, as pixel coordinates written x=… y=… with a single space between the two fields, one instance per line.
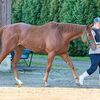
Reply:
x=38 y=50
x=35 y=47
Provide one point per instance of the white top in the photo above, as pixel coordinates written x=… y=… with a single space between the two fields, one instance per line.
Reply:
x=97 y=51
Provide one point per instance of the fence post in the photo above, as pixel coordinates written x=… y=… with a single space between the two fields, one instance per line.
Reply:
x=5 y=12
x=5 y=18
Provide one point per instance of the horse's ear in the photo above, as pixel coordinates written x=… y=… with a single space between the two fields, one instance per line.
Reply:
x=89 y=26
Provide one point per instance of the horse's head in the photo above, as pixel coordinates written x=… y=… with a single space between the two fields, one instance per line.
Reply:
x=88 y=37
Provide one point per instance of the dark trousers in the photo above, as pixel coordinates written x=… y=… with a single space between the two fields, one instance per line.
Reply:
x=95 y=62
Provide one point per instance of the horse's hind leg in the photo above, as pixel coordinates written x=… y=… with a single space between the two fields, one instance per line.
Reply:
x=68 y=60
x=5 y=51
x=7 y=46
x=3 y=55
x=49 y=64
x=18 y=53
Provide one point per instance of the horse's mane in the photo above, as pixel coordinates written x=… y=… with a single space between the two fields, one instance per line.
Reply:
x=67 y=27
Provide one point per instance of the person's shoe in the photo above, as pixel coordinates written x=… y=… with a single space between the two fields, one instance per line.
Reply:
x=82 y=77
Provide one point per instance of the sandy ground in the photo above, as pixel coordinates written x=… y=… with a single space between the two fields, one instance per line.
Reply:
x=27 y=93
x=62 y=85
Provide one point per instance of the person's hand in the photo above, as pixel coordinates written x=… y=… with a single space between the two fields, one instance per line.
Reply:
x=98 y=46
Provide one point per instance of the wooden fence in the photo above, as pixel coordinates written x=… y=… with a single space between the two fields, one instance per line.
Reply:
x=5 y=12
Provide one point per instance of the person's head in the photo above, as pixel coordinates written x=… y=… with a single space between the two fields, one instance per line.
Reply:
x=97 y=22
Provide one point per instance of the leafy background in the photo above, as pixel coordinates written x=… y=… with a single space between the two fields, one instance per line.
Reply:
x=69 y=11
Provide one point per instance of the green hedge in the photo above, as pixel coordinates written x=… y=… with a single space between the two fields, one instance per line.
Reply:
x=71 y=11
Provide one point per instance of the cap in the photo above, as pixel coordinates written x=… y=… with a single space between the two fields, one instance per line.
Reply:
x=97 y=19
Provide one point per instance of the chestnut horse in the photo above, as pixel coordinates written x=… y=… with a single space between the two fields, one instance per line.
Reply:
x=52 y=38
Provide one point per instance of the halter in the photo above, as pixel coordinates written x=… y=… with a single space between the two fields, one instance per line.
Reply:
x=89 y=39
x=85 y=38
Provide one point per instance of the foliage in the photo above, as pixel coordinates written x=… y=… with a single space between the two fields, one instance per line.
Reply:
x=67 y=11
x=17 y=11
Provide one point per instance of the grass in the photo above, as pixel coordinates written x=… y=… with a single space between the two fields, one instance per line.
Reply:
x=40 y=60
x=59 y=58
x=80 y=58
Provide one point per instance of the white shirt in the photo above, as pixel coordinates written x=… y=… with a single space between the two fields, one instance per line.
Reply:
x=97 y=51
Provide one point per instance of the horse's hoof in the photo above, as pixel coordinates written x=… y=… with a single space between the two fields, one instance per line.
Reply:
x=78 y=84
x=18 y=85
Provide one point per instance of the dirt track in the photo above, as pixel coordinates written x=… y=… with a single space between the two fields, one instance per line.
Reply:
x=61 y=81
x=24 y=93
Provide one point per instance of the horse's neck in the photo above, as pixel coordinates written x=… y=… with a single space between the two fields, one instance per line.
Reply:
x=73 y=31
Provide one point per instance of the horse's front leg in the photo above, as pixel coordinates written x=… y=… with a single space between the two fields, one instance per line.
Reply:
x=68 y=60
x=51 y=56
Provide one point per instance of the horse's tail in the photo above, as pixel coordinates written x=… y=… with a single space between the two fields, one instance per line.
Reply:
x=1 y=32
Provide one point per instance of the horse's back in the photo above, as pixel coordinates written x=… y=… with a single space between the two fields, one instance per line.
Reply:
x=35 y=37
x=18 y=26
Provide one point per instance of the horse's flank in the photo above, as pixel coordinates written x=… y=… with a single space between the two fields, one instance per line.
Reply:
x=44 y=38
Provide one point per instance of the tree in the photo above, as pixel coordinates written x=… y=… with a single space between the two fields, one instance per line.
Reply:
x=78 y=11
x=98 y=7
x=44 y=13
x=31 y=11
x=90 y=11
x=70 y=11
x=17 y=10
x=55 y=8
x=66 y=11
